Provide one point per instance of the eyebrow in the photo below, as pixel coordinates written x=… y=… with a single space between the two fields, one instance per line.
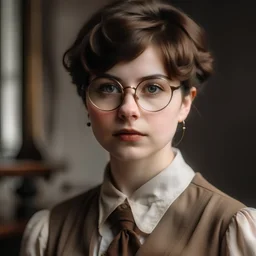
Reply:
x=138 y=81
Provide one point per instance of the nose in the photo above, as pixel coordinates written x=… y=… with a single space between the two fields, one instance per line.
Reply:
x=129 y=109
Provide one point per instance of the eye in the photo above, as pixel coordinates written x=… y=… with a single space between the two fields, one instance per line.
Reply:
x=109 y=88
x=153 y=88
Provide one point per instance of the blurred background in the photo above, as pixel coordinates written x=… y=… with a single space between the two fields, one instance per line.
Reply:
x=47 y=153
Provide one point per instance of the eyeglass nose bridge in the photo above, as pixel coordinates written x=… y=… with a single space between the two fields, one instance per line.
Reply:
x=131 y=87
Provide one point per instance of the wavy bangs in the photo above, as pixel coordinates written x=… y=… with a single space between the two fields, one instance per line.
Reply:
x=121 y=31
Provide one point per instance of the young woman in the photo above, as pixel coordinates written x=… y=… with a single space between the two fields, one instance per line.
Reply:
x=137 y=65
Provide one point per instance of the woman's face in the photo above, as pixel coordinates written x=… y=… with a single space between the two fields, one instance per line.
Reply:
x=130 y=132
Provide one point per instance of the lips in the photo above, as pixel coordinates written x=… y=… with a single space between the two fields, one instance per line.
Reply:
x=129 y=135
x=128 y=132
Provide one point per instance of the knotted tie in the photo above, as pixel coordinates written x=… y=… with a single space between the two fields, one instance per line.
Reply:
x=126 y=242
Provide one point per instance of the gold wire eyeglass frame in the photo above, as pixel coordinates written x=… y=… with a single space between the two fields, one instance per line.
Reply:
x=116 y=80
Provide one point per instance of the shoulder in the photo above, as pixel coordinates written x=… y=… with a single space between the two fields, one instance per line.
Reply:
x=68 y=217
x=67 y=212
x=202 y=185
x=35 y=236
x=217 y=207
x=241 y=235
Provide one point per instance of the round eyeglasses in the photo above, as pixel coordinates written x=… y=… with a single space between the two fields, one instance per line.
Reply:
x=152 y=93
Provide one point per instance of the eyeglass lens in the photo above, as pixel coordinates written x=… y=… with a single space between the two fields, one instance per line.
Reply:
x=151 y=94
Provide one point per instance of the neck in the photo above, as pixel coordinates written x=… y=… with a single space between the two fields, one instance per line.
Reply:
x=129 y=175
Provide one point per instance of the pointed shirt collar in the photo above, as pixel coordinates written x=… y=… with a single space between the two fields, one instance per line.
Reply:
x=150 y=202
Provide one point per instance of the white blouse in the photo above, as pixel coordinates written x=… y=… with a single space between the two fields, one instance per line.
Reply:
x=148 y=204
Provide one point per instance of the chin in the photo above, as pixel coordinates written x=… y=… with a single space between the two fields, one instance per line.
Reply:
x=128 y=155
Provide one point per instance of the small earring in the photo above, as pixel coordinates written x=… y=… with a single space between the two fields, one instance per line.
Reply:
x=88 y=123
x=183 y=133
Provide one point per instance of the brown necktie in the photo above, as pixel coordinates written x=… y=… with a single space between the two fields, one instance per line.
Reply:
x=126 y=242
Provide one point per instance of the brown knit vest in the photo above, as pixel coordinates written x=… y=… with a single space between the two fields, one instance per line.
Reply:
x=194 y=225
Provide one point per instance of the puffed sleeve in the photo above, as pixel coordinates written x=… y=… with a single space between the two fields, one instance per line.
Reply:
x=35 y=236
x=241 y=233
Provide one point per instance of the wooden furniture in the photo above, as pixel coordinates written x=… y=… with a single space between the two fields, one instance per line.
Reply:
x=26 y=190
x=28 y=168
x=12 y=229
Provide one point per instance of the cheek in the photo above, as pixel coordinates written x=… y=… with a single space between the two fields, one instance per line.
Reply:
x=164 y=130
x=101 y=121
x=164 y=125
x=97 y=116
x=165 y=121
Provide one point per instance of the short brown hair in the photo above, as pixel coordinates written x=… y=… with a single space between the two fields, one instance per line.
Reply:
x=122 y=30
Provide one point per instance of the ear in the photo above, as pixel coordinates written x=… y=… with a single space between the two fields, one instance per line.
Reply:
x=186 y=104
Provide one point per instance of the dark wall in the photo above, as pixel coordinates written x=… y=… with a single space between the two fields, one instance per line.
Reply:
x=220 y=139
